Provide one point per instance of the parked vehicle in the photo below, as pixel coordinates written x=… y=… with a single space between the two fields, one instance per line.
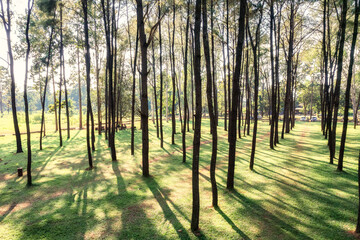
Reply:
x=314 y=119
x=303 y=119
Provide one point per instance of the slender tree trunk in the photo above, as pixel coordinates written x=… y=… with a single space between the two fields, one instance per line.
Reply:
x=248 y=93
x=7 y=27
x=338 y=77
x=224 y=80
x=192 y=56
x=235 y=92
x=46 y=81
x=216 y=108
x=348 y=86
x=209 y=93
x=325 y=59
x=277 y=73
x=60 y=103
x=62 y=66
x=109 y=31
x=161 y=81
x=273 y=92
x=255 y=47
x=79 y=80
x=172 y=62
x=197 y=131
x=55 y=102
x=87 y=62
x=289 y=65
x=144 y=97
x=185 y=80
x=155 y=90
x=97 y=73
x=228 y=59
x=28 y=140
x=133 y=69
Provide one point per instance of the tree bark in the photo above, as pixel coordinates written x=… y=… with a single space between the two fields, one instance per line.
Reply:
x=62 y=66
x=185 y=80
x=144 y=97
x=28 y=134
x=46 y=82
x=348 y=86
x=161 y=81
x=255 y=47
x=235 y=95
x=87 y=62
x=7 y=27
x=338 y=77
x=197 y=131
x=209 y=93
x=273 y=92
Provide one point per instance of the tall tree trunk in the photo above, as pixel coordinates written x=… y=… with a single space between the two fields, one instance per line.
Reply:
x=248 y=92
x=197 y=131
x=144 y=97
x=348 y=86
x=214 y=94
x=109 y=63
x=235 y=95
x=185 y=80
x=62 y=66
x=87 y=62
x=155 y=90
x=7 y=27
x=97 y=75
x=224 y=80
x=172 y=62
x=228 y=59
x=255 y=47
x=277 y=72
x=289 y=65
x=54 y=94
x=60 y=103
x=161 y=81
x=79 y=80
x=273 y=92
x=338 y=77
x=192 y=56
x=209 y=93
x=46 y=82
x=133 y=69
x=325 y=59
x=29 y=179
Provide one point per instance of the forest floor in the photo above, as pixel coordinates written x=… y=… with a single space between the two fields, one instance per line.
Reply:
x=293 y=193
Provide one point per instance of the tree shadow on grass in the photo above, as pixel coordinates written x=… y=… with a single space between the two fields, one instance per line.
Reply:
x=161 y=197
x=269 y=222
x=133 y=216
x=232 y=224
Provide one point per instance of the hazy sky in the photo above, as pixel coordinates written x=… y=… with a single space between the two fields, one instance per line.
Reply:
x=18 y=7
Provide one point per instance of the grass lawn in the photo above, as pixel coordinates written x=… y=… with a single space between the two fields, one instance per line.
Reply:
x=294 y=193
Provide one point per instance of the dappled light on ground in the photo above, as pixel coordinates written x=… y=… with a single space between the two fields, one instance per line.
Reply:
x=294 y=193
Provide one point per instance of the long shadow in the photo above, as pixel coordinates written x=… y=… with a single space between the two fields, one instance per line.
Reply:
x=232 y=224
x=270 y=219
x=8 y=211
x=133 y=215
x=160 y=196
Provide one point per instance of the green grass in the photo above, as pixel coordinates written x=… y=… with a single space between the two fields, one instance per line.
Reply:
x=294 y=193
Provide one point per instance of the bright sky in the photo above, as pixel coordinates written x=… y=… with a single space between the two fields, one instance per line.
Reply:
x=18 y=7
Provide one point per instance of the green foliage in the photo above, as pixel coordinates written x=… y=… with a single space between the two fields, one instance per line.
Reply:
x=47 y=6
